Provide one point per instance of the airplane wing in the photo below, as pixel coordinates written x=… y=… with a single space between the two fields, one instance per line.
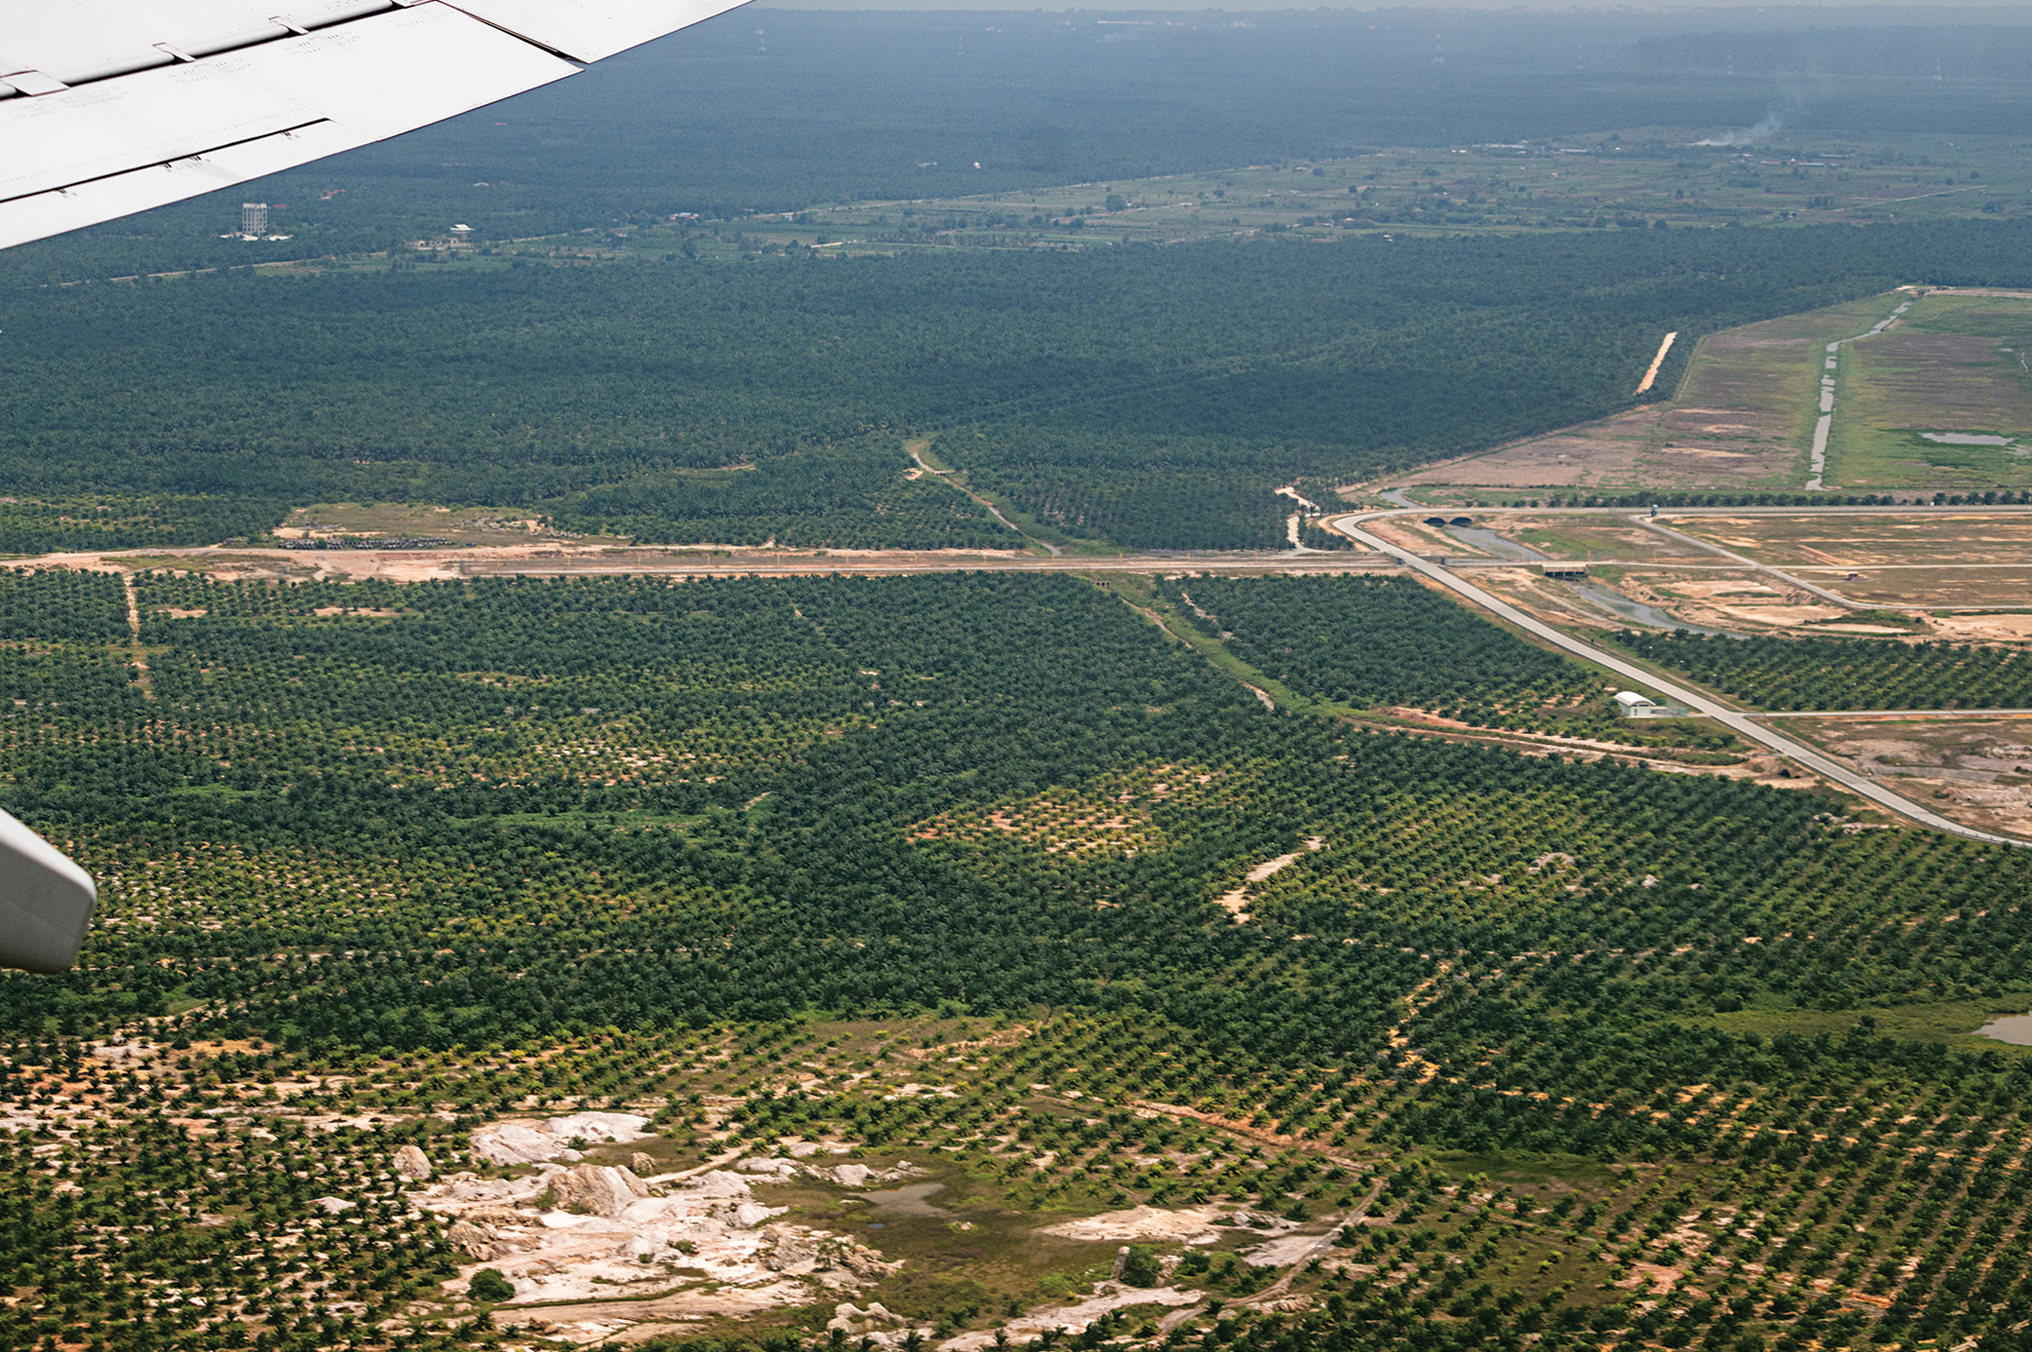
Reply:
x=45 y=902
x=108 y=107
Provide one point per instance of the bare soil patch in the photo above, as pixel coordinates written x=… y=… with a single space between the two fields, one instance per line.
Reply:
x=1867 y=541
x=1185 y=1225
x=1976 y=771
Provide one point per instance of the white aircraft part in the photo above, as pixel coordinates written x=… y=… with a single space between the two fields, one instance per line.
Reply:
x=79 y=40
x=46 y=902
x=108 y=107
x=592 y=30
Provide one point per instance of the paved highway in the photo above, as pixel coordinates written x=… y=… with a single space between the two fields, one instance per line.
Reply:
x=1742 y=724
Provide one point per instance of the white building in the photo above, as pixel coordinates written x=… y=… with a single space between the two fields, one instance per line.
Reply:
x=253 y=219
x=1630 y=704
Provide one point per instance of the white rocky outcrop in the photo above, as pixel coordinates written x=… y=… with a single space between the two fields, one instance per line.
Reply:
x=831 y=1260
x=568 y=1230
x=598 y=1127
x=778 y=1168
x=534 y=1141
x=520 y=1143
x=859 y=1175
x=412 y=1163
x=597 y=1189
x=718 y=1183
x=850 y=1319
x=475 y=1239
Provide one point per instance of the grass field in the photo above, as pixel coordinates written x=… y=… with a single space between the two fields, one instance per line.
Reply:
x=1955 y=366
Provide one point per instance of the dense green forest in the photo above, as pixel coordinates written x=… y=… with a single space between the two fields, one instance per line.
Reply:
x=1152 y=397
x=400 y=835
x=1845 y=673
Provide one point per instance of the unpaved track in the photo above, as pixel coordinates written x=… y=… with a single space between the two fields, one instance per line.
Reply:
x=1651 y=373
x=1817 y=469
x=1742 y=724
x=946 y=477
x=142 y=676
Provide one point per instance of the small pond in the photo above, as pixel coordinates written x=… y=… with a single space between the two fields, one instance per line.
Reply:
x=908 y=1200
x=1967 y=438
x=2015 y=1029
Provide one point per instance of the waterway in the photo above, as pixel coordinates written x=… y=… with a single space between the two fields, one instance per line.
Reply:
x=1496 y=546
x=908 y=1200
x=1637 y=612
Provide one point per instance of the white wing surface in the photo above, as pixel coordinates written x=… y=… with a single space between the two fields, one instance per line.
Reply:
x=109 y=107
x=45 y=902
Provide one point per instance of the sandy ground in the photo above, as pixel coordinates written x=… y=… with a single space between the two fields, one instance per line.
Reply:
x=1984 y=628
x=1742 y=602
x=1869 y=541
x=1185 y=1225
x=1659 y=447
x=1236 y=900
x=552 y=561
x=1651 y=372
x=1283 y=1251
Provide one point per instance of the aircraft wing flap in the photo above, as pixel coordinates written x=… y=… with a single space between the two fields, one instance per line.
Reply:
x=104 y=149
x=592 y=30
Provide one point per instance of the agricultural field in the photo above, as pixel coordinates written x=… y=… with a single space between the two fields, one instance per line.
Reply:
x=1368 y=643
x=1845 y=672
x=1955 y=565
x=1941 y=401
x=1934 y=405
x=537 y=963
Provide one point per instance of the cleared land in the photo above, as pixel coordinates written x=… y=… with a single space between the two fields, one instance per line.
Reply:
x=1954 y=368
x=1976 y=771
x=1612 y=179
x=1742 y=419
x=1864 y=541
